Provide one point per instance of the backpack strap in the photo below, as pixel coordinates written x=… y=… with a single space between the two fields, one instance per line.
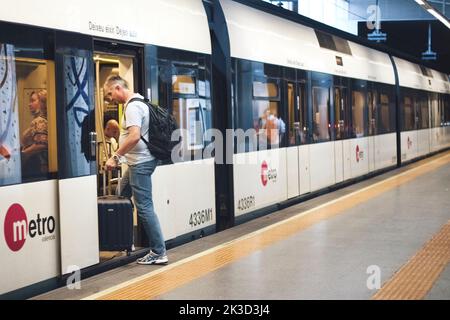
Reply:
x=148 y=104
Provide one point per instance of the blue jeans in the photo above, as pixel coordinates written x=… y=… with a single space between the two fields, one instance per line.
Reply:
x=140 y=180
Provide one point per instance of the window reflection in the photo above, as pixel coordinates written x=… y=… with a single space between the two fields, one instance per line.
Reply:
x=180 y=81
x=358 y=109
x=321 y=96
x=321 y=100
x=27 y=149
x=340 y=106
x=258 y=105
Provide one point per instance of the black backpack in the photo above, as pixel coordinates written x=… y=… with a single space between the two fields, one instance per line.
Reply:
x=161 y=126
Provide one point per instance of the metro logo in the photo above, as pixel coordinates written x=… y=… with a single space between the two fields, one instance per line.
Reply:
x=264 y=168
x=359 y=154
x=16 y=227
x=267 y=174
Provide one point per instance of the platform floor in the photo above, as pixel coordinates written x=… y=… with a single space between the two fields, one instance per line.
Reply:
x=384 y=238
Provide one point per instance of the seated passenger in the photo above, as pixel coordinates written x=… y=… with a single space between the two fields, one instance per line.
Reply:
x=112 y=133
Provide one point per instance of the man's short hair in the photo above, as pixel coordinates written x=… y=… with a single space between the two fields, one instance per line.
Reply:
x=113 y=80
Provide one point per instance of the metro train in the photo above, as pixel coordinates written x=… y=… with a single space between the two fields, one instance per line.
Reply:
x=340 y=110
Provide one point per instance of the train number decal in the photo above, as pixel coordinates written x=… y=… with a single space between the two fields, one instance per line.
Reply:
x=246 y=203
x=200 y=217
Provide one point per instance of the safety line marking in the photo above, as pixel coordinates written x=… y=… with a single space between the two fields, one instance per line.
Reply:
x=416 y=278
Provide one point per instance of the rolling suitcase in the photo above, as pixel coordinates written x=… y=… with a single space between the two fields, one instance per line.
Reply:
x=115 y=222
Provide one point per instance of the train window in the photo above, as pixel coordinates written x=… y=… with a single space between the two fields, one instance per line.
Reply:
x=340 y=107
x=334 y=43
x=441 y=110
x=296 y=102
x=425 y=71
x=447 y=109
x=266 y=113
x=358 y=108
x=372 y=97
x=384 y=115
x=180 y=81
x=321 y=91
x=435 y=110
x=423 y=113
x=408 y=113
x=257 y=105
x=303 y=110
x=385 y=112
x=294 y=124
x=342 y=45
x=325 y=40
x=183 y=84
x=28 y=127
x=263 y=89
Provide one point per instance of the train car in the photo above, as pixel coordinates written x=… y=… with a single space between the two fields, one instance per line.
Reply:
x=309 y=110
x=334 y=102
x=424 y=105
x=65 y=52
x=336 y=98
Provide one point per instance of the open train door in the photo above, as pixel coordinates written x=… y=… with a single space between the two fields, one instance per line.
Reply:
x=124 y=60
x=76 y=151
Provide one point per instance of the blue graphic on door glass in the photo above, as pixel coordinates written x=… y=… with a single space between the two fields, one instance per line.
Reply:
x=73 y=76
x=10 y=161
x=78 y=102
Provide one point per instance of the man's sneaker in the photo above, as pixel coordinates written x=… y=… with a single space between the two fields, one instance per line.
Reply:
x=153 y=258
x=144 y=257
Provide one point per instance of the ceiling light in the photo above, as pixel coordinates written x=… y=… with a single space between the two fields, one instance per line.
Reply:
x=439 y=17
x=426 y=6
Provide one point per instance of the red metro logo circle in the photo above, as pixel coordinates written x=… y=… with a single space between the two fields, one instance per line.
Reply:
x=264 y=168
x=15 y=227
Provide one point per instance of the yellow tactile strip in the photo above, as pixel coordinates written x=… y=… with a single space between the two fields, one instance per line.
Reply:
x=416 y=278
x=177 y=274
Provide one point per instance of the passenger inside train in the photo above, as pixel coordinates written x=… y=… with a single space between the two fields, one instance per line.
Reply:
x=34 y=139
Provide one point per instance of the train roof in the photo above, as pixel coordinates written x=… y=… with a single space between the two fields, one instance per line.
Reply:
x=180 y=24
x=260 y=36
x=287 y=33
x=416 y=76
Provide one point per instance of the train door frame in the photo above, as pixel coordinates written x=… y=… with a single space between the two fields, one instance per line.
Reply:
x=297 y=176
x=136 y=53
x=110 y=47
x=296 y=113
x=293 y=127
x=221 y=65
x=78 y=222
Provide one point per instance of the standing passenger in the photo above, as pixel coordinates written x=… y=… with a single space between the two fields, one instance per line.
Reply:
x=141 y=163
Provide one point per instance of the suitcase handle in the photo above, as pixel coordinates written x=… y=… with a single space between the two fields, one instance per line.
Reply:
x=109 y=172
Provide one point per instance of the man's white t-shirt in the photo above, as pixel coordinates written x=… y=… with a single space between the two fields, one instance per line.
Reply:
x=136 y=114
